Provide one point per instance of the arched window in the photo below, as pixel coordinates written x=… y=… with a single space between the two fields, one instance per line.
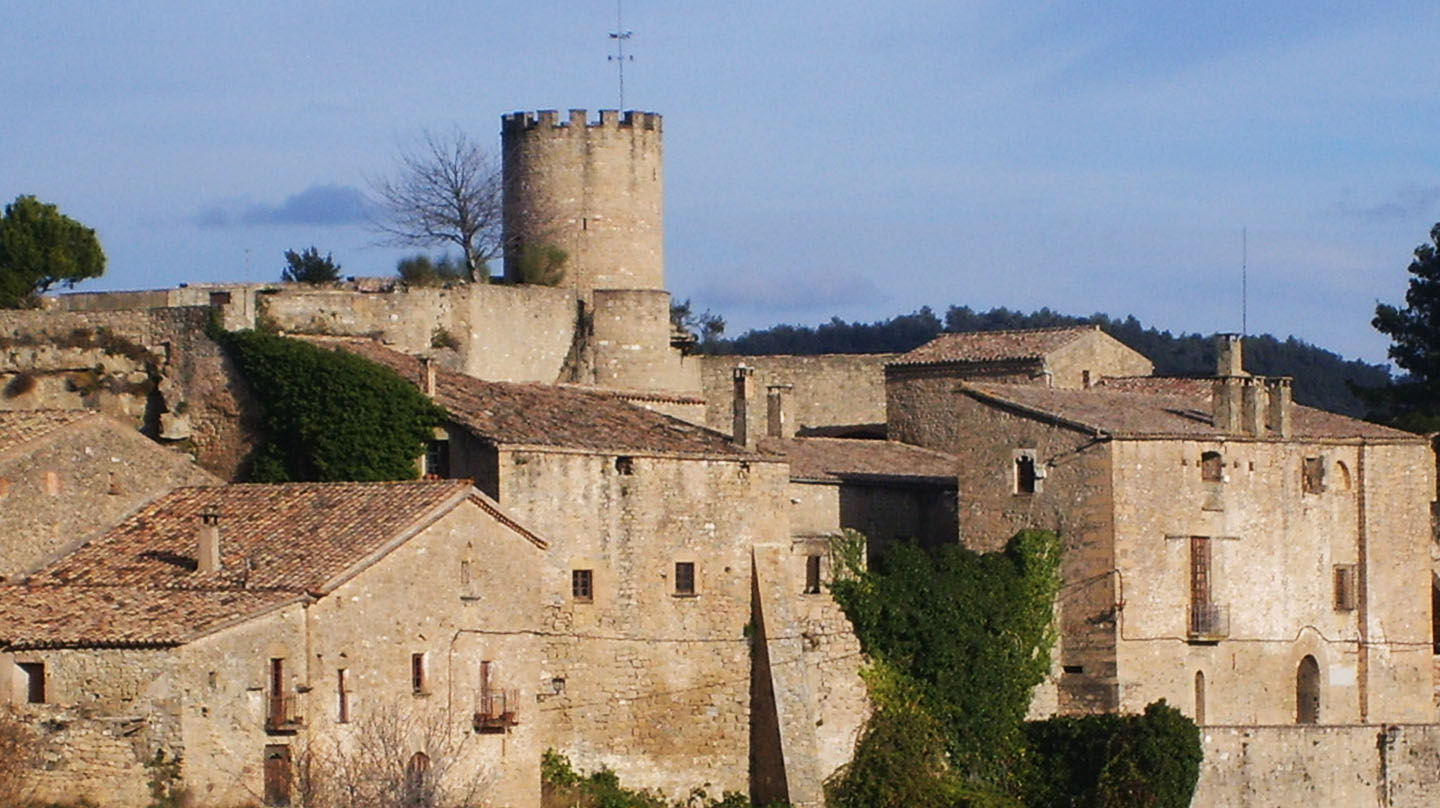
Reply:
x=1307 y=691
x=1199 y=697
x=1342 y=475
x=417 y=780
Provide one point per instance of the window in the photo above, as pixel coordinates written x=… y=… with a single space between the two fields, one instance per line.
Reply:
x=625 y=465
x=1209 y=621
x=437 y=458
x=582 y=586
x=342 y=680
x=1199 y=697
x=684 y=577
x=1307 y=691
x=1312 y=475
x=812 y=574
x=1345 y=589
x=34 y=673
x=419 y=684
x=1342 y=476
x=1026 y=477
x=1212 y=467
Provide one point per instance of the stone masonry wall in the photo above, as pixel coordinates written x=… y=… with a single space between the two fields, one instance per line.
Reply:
x=833 y=389
x=657 y=682
x=82 y=480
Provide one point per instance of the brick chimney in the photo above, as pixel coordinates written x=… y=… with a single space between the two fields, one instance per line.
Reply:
x=1278 y=416
x=1228 y=395
x=1228 y=361
x=741 y=426
x=777 y=410
x=207 y=554
x=427 y=376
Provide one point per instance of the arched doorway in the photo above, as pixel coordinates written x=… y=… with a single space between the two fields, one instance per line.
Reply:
x=1307 y=691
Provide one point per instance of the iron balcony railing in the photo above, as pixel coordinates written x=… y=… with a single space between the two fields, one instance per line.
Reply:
x=497 y=710
x=1209 y=622
x=282 y=713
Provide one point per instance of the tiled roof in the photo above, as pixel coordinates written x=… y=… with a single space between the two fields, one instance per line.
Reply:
x=837 y=459
x=19 y=427
x=565 y=416
x=67 y=616
x=293 y=536
x=1183 y=410
x=993 y=346
x=137 y=583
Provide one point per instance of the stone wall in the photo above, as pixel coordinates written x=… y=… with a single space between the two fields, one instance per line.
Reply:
x=831 y=389
x=1093 y=356
x=1385 y=766
x=82 y=479
x=154 y=369
x=884 y=513
x=657 y=681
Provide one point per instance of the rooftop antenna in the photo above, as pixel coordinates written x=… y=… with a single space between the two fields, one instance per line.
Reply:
x=1244 y=281
x=619 y=57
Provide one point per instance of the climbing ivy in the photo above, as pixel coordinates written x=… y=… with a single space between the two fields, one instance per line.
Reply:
x=330 y=415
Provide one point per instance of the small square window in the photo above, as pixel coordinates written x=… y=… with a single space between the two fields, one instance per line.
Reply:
x=582 y=586
x=1312 y=475
x=34 y=673
x=684 y=578
x=1212 y=467
x=625 y=465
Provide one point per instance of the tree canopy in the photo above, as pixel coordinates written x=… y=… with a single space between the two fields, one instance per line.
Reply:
x=308 y=267
x=1414 y=402
x=40 y=247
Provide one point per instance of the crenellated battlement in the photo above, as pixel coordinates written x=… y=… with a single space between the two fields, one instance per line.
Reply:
x=579 y=119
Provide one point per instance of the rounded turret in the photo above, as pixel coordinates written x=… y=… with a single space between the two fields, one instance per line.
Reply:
x=595 y=189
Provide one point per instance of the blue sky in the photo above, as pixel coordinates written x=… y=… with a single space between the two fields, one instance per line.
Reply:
x=822 y=158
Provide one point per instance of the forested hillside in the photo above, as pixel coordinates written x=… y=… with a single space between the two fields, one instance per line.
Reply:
x=1322 y=377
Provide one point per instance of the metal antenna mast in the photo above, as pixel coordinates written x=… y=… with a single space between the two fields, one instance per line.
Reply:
x=1244 y=268
x=619 y=57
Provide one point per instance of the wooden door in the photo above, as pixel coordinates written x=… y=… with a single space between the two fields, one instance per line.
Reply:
x=277 y=775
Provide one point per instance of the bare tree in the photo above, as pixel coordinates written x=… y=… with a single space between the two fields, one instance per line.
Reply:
x=446 y=190
x=395 y=757
x=18 y=756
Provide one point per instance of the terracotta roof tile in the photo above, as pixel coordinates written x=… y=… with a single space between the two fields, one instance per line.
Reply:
x=1184 y=409
x=565 y=416
x=19 y=427
x=294 y=536
x=993 y=346
x=67 y=616
x=837 y=459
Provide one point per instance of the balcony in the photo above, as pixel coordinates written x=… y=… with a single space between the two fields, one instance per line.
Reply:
x=497 y=711
x=1209 y=622
x=282 y=714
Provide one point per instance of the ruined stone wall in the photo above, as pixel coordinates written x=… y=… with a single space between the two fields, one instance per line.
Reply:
x=830 y=389
x=657 y=682
x=83 y=479
x=155 y=369
x=1273 y=552
x=594 y=189
x=1392 y=766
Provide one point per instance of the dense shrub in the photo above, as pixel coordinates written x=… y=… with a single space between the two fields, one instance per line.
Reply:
x=330 y=415
x=563 y=787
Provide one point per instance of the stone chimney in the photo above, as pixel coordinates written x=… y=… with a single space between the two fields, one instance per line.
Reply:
x=1278 y=416
x=777 y=410
x=427 y=376
x=740 y=433
x=207 y=554
x=1228 y=360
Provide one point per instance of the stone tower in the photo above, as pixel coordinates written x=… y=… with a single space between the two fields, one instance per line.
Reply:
x=594 y=189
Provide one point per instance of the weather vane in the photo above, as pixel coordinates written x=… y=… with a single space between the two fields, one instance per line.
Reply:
x=619 y=57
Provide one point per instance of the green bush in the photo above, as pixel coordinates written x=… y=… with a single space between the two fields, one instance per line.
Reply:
x=330 y=415
x=1113 y=761
x=563 y=787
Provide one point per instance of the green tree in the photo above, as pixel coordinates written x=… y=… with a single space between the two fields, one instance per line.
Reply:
x=40 y=247
x=422 y=270
x=1414 y=403
x=308 y=267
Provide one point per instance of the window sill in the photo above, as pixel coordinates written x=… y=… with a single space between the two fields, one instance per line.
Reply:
x=684 y=595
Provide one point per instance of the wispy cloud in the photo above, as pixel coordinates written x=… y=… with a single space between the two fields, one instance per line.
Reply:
x=1408 y=202
x=810 y=292
x=319 y=205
